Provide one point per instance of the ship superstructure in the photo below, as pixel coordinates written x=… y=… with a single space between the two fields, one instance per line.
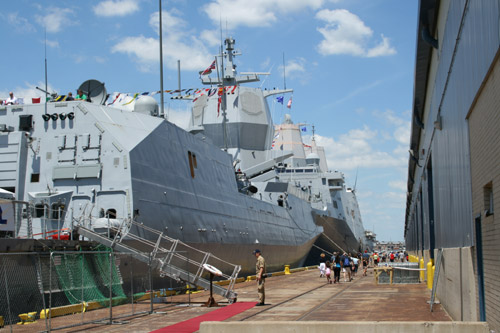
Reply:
x=273 y=158
x=219 y=187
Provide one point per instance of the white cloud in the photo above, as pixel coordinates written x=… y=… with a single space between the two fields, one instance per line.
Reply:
x=357 y=148
x=382 y=49
x=57 y=19
x=52 y=43
x=256 y=13
x=294 y=67
x=402 y=134
x=19 y=23
x=145 y=51
x=178 y=44
x=28 y=92
x=399 y=185
x=403 y=126
x=211 y=37
x=116 y=7
x=346 y=33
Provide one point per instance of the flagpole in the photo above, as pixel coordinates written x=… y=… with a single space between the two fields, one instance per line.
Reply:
x=46 y=84
x=161 y=64
x=284 y=72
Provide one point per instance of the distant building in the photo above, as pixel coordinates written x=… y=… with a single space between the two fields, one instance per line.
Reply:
x=454 y=162
x=389 y=247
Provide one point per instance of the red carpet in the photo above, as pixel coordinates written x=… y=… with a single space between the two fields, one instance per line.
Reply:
x=193 y=324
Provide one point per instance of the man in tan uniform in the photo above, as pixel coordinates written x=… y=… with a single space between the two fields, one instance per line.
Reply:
x=260 y=271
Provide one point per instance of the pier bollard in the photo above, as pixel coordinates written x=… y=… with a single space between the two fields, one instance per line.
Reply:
x=287 y=269
x=422 y=274
x=430 y=275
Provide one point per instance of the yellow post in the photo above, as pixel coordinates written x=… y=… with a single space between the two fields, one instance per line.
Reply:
x=287 y=269
x=430 y=275
x=422 y=274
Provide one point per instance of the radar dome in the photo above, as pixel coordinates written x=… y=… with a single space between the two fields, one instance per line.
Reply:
x=146 y=105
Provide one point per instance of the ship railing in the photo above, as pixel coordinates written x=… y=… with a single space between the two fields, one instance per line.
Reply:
x=169 y=256
x=16 y=219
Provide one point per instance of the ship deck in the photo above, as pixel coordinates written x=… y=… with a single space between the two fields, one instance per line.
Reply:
x=298 y=297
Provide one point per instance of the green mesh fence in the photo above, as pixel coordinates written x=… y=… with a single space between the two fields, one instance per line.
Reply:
x=86 y=277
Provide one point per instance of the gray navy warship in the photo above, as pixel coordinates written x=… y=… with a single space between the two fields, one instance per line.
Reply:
x=218 y=186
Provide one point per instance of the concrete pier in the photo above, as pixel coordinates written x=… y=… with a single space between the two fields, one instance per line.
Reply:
x=299 y=302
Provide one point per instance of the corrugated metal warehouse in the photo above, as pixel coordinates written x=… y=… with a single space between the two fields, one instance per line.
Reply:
x=454 y=162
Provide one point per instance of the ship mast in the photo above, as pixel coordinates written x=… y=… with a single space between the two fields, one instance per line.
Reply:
x=223 y=97
x=161 y=64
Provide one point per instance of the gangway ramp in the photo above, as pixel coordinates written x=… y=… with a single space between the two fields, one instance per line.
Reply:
x=170 y=257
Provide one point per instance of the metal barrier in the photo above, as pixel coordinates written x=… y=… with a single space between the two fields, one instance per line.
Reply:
x=62 y=289
x=16 y=219
x=403 y=272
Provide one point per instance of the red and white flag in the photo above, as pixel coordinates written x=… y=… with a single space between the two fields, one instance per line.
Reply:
x=209 y=69
x=289 y=105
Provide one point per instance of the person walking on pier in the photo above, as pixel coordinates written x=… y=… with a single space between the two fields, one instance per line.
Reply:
x=322 y=266
x=366 y=260
x=336 y=268
x=346 y=267
x=260 y=271
x=328 y=272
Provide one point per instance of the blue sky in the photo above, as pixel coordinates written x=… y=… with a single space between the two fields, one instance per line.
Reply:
x=350 y=63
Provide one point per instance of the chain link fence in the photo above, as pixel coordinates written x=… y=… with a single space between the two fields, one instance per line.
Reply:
x=47 y=291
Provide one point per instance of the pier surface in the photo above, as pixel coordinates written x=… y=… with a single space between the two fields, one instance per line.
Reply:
x=298 y=297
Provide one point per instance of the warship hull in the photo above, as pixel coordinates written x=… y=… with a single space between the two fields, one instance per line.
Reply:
x=337 y=235
x=137 y=167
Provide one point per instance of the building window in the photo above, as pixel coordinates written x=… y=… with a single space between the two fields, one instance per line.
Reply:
x=488 y=199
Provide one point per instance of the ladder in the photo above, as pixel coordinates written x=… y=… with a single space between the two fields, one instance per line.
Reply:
x=167 y=255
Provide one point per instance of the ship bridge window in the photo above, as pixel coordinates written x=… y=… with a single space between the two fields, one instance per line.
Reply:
x=39 y=210
x=35 y=177
x=111 y=213
x=308 y=170
x=57 y=210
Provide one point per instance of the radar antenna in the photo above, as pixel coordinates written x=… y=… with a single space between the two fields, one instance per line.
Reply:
x=95 y=90
x=355 y=181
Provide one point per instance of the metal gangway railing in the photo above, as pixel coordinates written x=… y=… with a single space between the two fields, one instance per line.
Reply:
x=169 y=256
